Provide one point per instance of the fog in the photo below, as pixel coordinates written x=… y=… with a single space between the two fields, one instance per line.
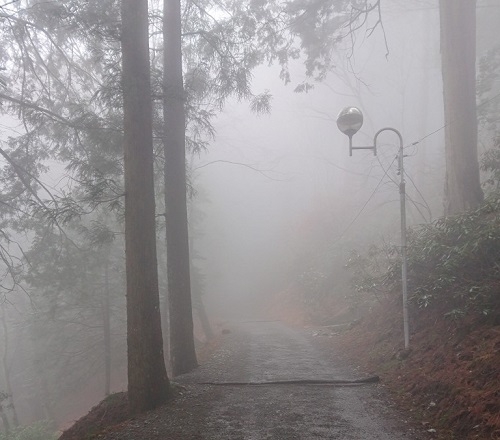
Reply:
x=266 y=176
x=277 y=199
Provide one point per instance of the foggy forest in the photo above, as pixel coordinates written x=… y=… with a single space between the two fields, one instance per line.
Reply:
x=284 y=193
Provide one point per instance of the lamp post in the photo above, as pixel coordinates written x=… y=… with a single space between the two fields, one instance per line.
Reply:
x=349 y=122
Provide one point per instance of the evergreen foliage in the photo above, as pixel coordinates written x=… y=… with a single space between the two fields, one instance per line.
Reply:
x=490 y=163
x=452 y=264
x=73 y=295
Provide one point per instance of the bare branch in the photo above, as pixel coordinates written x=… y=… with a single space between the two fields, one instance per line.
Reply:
x=263 y=172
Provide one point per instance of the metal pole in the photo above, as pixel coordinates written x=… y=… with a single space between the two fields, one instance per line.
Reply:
x=402 y=198
x=404 y=266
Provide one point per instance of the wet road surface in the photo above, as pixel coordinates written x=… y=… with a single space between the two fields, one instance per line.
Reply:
x=256 y=352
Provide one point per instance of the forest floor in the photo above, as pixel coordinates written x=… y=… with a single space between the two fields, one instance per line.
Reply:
x=266 y=380
x=447 y=384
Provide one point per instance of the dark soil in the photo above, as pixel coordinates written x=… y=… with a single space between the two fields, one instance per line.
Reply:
x=111 y=411
x=175 y=420
x=109 y=416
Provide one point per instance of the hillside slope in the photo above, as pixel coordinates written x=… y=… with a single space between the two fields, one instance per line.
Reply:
x=450 y=378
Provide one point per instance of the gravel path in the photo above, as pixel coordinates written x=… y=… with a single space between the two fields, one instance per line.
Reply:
x=256 y=352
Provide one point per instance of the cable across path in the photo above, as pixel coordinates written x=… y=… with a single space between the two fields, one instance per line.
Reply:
x=270 y=381
x=338 y=382
x=267 y=381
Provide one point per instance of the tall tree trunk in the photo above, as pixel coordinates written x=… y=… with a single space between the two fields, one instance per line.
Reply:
x=182 y=350
x=148 y=383
x=204 y=321
x=6 y=368
x=5 y=419
x=106 y=323
x=458 y=55
x=197 y=300
x=45 y=408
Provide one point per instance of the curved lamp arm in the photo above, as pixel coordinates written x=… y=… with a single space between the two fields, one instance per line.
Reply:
x=402 y=198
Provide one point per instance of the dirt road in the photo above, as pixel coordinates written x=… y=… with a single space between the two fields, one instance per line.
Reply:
x=227 y=398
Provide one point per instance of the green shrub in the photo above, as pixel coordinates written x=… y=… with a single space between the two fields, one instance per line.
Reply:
x=454 y=262
x=457 y=259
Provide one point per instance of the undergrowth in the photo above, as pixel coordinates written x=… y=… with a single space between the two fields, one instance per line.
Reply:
x=453 y=262
x=456 y=261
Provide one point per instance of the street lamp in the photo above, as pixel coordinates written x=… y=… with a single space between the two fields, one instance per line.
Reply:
x=349 y=122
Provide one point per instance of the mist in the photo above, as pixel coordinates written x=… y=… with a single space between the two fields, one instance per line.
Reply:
x=269 y=177
x=277 y=207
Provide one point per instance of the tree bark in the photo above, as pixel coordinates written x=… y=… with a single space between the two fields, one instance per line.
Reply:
x=204 y=321
x=6 y=369
x=106 y=323
x=458 y=55
x=148 y=383
x=5 y=419
x=182 y=350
